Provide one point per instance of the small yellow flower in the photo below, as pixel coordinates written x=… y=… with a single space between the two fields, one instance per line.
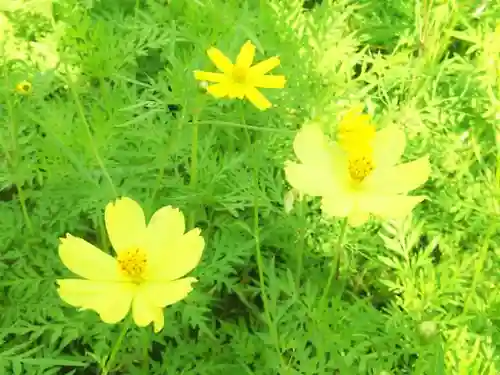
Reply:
x=24 y=88
x=147 y=272
x=356 y=179
x=240 y=80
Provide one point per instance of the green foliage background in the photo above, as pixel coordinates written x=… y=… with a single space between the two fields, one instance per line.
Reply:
x=115 y=110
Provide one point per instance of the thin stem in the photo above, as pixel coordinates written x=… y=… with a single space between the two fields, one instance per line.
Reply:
x=258 y=254
x=302 y=234
x=98 y=158
x=260 y=265
x=193 y=169
x=13 y=161
x=22 y=202
x=116 y=347
x=334 y=270
x=479 y=267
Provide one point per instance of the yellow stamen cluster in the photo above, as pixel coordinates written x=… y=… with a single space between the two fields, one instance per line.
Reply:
x=133 y=263
x=355 y=136
x=239 y=75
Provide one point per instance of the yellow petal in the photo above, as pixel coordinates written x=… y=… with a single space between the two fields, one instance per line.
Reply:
x=111 y=300
x=220 y=60
x=218 y=90
x=153 y=297
x=312 y=146
x=388 y=146
x=399 y=179
x=257 y=99
x=265 y=66
x=246 y=55
x=167 y=223
x=209 y=76
x=172 y=253
x=145 y=312
x=309 y=179
x=389 y=207
x=236 y=90
x=125 y=223
x=167 y=293
x=269 y=82
x=357 y=218
x=170 y=261
x=338 y=205
x=86 y=260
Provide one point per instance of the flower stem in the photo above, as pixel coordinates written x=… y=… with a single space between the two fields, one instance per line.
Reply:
x=116 y=347
x=302 y=239
x=12 y=162
x=193 y=169
x=93 y=147
x=334 y=270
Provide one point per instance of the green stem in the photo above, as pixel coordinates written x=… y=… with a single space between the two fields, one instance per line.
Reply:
x=22 y=202
x=95 y=151
x=302 y=235
x=334 y=270
x=116 y=347
x=193 y=170
x=260 y=265
x=13 y=162
x=258 y=254
x=479 y=267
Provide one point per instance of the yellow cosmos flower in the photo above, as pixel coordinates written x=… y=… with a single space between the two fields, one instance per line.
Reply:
x=147 y=272
x=240 y=80
x=357 y=178
x=24 y=88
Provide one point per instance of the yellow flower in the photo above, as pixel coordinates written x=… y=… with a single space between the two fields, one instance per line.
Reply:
x=240 y=80
x=359 y=179
x=147 y=273
x=24 y=88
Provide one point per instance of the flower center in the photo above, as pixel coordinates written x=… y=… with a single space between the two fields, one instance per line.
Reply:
x=133 y=263
x=360 y=164
x=239 y=74
x=355 y=134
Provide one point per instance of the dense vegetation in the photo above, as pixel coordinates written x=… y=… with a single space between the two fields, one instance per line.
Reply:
x=98 y=100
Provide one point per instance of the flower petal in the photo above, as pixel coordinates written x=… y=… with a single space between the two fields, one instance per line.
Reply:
x=257 y=99
x=399 y=179
x=389 y=207
x=209 y=76
x=269 y=82
x=153 y=297
x=173 y=253
x=388 y=146
x=173 y=257
x=312 y=147
x=165 y=294
x=265 y=66
x=145 y=312
x=219 y=90
x=86 y=260
x=236 y=90
x=339 y=205
x=220 y=60
x=246 y=55
x=309 y=179
x=167 y=223
x=125 y=223
x=357 y=218
x=110 y=300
